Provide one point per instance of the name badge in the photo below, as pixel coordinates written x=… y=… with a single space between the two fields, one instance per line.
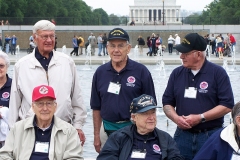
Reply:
x=114 y=88
x=42 y=147
x=190 y=92
x=235 y=157
x=138 y=154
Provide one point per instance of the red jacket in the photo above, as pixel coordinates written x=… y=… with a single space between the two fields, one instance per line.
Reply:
x=232 y=39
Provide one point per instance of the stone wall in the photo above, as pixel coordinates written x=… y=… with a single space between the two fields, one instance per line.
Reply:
x=66 y=33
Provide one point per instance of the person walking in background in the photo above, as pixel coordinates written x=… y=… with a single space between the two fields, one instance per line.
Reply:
x=233 y=42
x=153 y=42
x=170 y=44
x=5 y=90
x=177 y=42
x=219 y=43
x=149 y=44
x=197 y=97
x=99 y=41
x=53 y=21
x=158 y=44
x=114 y=85
x=49 y=67
x=213 y=43
x=13 y=44
x=104 y=44
x=92 y=41
x=7 y=43
x=75 y=46
x=141 y=43
x=0 y=42
x=80 y=44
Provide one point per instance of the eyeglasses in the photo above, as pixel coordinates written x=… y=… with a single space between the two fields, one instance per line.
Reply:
x=2 y=66
x=120 y=46
x=187 y=54
x=45 y=37
x=41 y=104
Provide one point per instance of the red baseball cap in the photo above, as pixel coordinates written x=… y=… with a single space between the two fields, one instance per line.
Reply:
x=42 y=91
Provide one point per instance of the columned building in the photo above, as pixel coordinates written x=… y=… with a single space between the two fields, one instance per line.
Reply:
x=152 y=12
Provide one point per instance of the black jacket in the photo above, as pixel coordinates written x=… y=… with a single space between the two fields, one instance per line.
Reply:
x=119 y=145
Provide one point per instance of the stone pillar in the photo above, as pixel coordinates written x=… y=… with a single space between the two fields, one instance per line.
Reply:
x=170 y=19
x=152 y=16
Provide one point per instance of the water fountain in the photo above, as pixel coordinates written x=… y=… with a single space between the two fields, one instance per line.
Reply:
x=64 y=49
x=225 y=65
x=160 y=65
x=87 y=64
x=233 y=68
x=136 y=52
x=17 y=53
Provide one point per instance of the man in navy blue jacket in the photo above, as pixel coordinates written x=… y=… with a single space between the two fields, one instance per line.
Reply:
x=197 y=97
x=114 y=85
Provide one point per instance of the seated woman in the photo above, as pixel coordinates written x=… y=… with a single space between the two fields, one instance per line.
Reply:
x=224 y=144
x=141 y=140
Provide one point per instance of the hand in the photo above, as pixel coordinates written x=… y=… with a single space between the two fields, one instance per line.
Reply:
x=192 y=119
x=97 y=143
x=182 y=123
x=81 y=136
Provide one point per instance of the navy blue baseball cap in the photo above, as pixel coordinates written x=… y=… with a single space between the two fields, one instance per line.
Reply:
x=192 y=41
x=143 y=103
x=118 y=33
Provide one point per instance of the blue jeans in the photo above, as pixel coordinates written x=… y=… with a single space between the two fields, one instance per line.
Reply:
x=150 y=49
x=104 y=49
x=190 y=143
x=7 y=48
x=99 y=48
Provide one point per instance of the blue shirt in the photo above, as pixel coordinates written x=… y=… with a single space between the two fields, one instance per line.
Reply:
x=14 y=40
x=149 y=143
x=213 y=88
x=41 y=136
x=43 y=60
x=135 y=80
x=5 y=92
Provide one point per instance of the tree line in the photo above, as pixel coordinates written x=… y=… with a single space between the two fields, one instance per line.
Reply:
x=217 y=12
x=64 y=12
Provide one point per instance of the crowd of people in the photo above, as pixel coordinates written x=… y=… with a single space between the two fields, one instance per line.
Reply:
x=6 y=22
x=42 y=111
x=220 y=46
x=9 y=45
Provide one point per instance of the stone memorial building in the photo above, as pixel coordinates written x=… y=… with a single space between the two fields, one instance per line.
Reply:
x=152 y=12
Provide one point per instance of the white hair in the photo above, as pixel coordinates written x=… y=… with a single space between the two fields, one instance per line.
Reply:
x=44 y=25
x=5 y=57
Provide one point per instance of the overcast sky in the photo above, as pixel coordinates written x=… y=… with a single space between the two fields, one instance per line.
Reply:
x=121 y=7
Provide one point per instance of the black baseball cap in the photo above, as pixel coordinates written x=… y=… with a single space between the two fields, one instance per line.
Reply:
x=143 y=103
x=118 y=33
x=192 y=41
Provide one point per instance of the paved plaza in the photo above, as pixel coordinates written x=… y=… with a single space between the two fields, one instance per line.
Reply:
x=168 y=59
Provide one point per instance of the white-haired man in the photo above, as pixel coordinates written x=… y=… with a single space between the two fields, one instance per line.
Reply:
x=49 y=67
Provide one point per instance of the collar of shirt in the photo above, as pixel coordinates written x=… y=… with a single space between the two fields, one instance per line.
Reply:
x=35 y=124
x=43 y=60
x=8 y=83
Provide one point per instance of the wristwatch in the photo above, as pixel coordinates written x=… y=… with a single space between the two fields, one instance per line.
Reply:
x=203 y=118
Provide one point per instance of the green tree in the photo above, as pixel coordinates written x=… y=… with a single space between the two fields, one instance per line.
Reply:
x=114 y=20
x=102 y=16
